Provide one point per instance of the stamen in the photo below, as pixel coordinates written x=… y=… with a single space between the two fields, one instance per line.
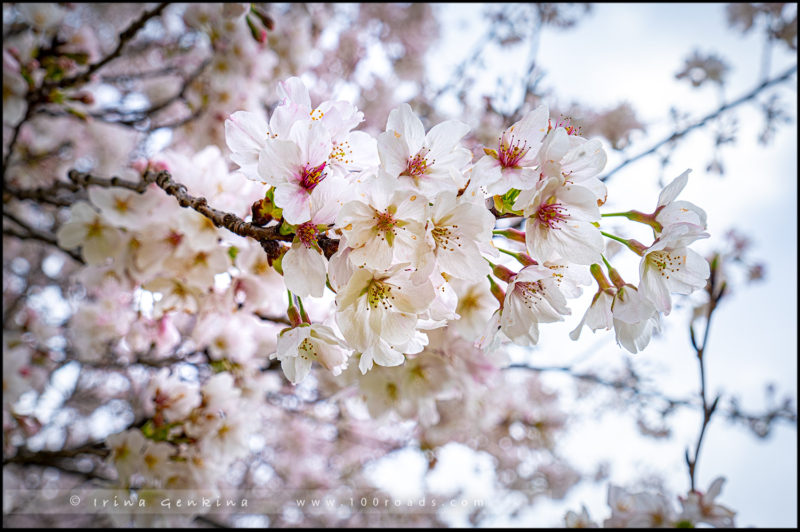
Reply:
x=511 y=152
x=551 y=214
x=311 y=176
x=307 y=234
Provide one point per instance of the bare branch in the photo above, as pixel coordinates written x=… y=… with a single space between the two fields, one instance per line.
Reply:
x=703 y=121
x=35 y=234
x=124 y=37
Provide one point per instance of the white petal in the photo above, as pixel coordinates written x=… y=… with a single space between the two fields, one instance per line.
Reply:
x=671 y=191
x=304 y=271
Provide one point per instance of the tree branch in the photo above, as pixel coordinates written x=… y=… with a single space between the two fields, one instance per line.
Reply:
x=617 y=385
x=35 y=234
x=703 y=121
x=267 y=236
x=124 y=37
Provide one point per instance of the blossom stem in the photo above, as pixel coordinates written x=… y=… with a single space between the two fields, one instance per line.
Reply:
x=637 y=216
x=511 y=234
x=497 y=292
x=599 y=276
x=501 y=272
x=303 y=314
x=294 y=315
x=522 y=258
x=631 y=244
x=616 y=278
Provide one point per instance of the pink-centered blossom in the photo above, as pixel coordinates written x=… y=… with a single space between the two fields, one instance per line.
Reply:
x=559 y=222
x=378 y=312
x=386 y=229
x=425 y=163
x=532 y=297
x=511 y=165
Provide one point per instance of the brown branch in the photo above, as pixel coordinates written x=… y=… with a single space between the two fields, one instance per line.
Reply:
x=147 y=74
x=267 y=236
x=40 y=194
x=703 y=121
x=61 y=460
x=82 y=179
x=14 y=136
x=35 y=234
x=124 y=37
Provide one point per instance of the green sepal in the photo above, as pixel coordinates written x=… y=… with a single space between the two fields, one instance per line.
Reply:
x=505 y=204
x=160 y=433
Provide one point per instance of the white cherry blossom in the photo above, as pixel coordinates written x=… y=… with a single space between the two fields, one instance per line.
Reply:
x=299 y=347
x=454 y=232
x=532 y=297
x=377 y=313
x=701 y=507
x=670 y=266
x=669 y=211
x=425 y=163
x=559 y=221
x=389 y=229
x=635 y=318
x=87 y=228
x=512 y=164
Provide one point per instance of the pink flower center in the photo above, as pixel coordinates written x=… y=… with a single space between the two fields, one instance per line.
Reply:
x=418 y=164
x=174 y=238
x=311 y=176
x=510 y=153
x=551 y=214
x=307 y=234
x=566 y=124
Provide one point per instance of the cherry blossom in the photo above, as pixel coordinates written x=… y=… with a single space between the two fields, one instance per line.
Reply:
x=701 y=507
x=425 y=163
x=98 y=239
x=670 y=266
x=559 y=221
x=511 y=165
x=299 y=347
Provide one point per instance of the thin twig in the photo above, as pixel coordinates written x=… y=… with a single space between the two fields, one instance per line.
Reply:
x=124 y=37
x=617 y=385
x=35 y=234
x=708 y=409
x=703 y=121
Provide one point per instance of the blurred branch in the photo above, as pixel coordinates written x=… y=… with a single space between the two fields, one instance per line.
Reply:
x=703 y=121
x=35 y=234
x=42 y=94
x=615 y=384
x=62 y=460
x=124 y=37
x=715 y=294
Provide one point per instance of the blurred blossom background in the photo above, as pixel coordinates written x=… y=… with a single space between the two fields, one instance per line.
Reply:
x=665 y=87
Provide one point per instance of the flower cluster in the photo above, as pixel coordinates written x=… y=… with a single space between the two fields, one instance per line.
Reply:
x=417 y=241
x=193 y=436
